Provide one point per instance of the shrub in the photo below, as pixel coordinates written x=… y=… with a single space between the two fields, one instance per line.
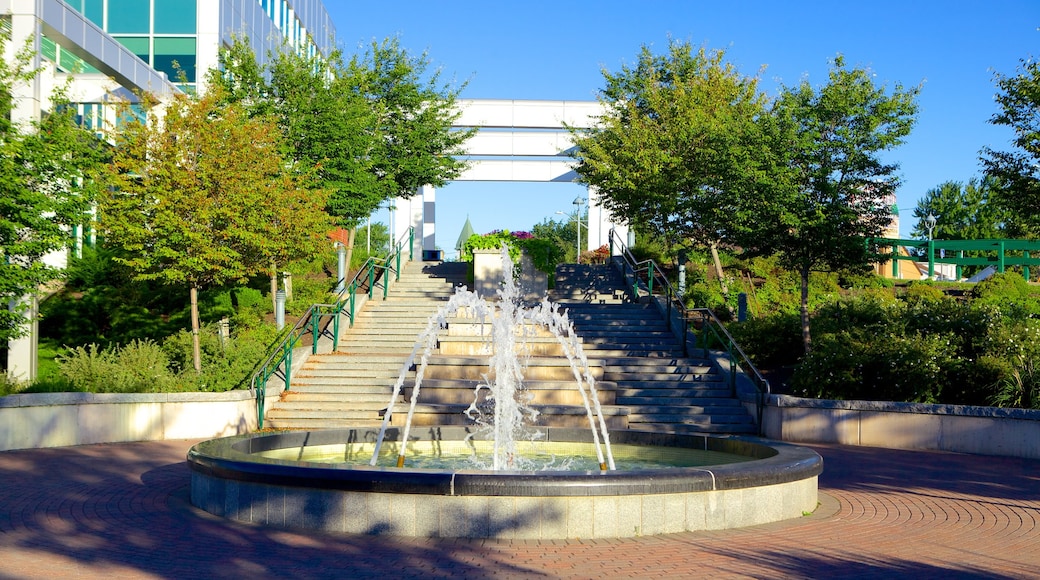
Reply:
x=885 y=368
x=249 y=302
x=923 y=291
x=774 y=340
x=1009 y=292
x=139 y=367
x=861 y=315
x=1021 y=389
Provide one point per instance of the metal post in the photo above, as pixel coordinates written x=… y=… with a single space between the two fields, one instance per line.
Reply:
x=335 y=330
x=895 y=261
x=1025 y=266
x=279 y=309
x=341 y=267
x=931 y=259
x=288 y=363
x=371 y=278
x=1000 y=257
x=315 y=317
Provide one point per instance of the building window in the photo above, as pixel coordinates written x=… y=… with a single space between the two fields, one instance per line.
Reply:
x=138 y=45
x=129 y=16
x=175 y=17
x=174 y=56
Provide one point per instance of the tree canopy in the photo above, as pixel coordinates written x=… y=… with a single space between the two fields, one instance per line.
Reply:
x=204 y=197
x=676 y=143
x=965 y=211
x=690 y=148
x=825 y=186
x=46 y=188
x=1018 y=169
x=377 y=127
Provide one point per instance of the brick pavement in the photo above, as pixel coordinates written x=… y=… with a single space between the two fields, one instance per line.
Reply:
x=121 y=511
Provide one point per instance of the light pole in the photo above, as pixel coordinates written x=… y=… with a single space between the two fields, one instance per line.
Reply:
x=929 y=222
x=578 y=202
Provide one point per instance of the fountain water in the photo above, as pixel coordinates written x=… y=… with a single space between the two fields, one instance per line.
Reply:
x=510 y=416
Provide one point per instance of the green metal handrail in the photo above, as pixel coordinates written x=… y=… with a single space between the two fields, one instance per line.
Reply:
x=375 y=271
x=645 y=276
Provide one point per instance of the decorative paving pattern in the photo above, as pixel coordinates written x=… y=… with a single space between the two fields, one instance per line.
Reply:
x=121 y=511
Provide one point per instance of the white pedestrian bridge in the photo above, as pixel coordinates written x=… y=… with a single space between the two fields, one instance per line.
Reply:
x=516 y=140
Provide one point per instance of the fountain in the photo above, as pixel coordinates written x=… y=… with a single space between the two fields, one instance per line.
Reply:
x=510 y=417
x=333 y=480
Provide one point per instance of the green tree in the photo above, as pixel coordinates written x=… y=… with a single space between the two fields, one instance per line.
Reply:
x=47 y=171
x=677 y=144
x=376 y=127
x=825 y=186
x=964 y=211
x=203 y=197
x=1018 y=169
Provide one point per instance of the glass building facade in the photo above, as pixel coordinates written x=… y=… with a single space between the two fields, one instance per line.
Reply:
x=181 y=37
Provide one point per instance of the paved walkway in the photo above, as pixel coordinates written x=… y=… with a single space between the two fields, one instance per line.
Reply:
x=121 y=511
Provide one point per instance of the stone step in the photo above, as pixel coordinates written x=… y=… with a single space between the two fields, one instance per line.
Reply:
x=635 y=416
x=312 y=424
x=681 y=400
x=708 y=428
x=710 y=390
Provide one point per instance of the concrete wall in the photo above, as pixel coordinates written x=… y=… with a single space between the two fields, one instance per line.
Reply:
x=955 y=428
x=62 y=419
x=487 y=276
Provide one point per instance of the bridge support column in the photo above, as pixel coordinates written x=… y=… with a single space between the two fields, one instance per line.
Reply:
x=600 y=223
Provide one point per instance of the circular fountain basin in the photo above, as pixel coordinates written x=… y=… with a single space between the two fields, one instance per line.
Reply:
x=253 y=478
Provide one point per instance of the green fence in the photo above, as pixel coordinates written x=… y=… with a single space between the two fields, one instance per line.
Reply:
x=1001 y=254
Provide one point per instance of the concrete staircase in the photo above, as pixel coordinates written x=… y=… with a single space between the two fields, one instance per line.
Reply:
x=352 y=386
x=662 y=389
x=643 y=379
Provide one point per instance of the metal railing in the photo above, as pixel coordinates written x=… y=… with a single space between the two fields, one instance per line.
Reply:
x=374 y=273
x=646 y=278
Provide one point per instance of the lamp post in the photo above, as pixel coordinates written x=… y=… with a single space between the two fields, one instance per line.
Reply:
x=578 y=202
x=929 y=222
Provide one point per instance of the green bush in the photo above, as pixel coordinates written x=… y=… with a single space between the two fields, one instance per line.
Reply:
x=862 y=315
x=1021 y=389
x=1008 y=292
x=885 y=368
x=226 y=365
x=250 y=305
x=139 y=367
x=772 y=340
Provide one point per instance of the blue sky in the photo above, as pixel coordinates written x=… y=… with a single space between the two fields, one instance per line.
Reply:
x=557 y=51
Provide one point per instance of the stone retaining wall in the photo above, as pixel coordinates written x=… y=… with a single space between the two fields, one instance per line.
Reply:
x=62 y=419
x=956 y=428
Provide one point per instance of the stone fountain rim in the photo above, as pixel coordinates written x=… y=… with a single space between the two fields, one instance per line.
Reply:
x=233 y=459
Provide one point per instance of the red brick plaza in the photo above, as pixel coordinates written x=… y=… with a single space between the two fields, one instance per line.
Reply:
x=121 y=511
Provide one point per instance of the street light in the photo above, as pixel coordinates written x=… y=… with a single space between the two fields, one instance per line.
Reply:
x=929 y=222
x=578 y=202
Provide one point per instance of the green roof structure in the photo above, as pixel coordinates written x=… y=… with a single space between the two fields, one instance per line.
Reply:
x=467 y=231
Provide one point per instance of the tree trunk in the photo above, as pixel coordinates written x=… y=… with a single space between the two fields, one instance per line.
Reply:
x=274 y=287
x=718 y=272
x=196 y=352
x=806 y=339
x=351 y=233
